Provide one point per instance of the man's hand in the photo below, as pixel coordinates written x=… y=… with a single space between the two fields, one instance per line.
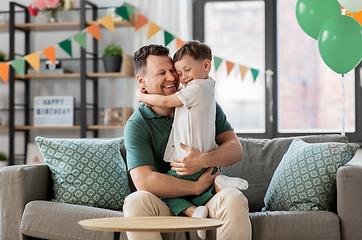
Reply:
x=189 y=164
x=206 y=179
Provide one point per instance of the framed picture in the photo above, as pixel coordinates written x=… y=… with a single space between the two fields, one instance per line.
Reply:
x=33 y=154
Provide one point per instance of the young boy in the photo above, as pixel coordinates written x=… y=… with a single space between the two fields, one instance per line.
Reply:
x=194 y=123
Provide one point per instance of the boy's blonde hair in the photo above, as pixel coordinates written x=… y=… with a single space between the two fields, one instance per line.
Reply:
x=195 y=49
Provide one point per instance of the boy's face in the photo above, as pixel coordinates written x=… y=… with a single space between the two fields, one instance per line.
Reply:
x=160 y=77
x=189 y=69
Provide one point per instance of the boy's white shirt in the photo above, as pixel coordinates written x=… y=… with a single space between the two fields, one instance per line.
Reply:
x=194 y=121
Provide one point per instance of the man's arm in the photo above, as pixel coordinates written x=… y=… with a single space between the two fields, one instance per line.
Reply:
x=165 y=186
x=229 y=152
x=158 y=100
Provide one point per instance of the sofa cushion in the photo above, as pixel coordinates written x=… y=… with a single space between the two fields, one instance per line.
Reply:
x=306 y=176
x=60 y=221
x=261 y=158
x=87 y=171
x=285 y=225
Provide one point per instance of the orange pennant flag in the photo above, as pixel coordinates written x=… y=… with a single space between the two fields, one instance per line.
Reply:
x=179 y=43
x=357 y=16
x=33 y=59
x=50 y=53
x=229 y=66
x=243 y=71
x=94 y=30
x=4 y=71
x=108 y=23
x=140 y=22
x=153 y=29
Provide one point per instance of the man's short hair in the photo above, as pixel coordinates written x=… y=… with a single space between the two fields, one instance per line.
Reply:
x=195 y=49
x=140 y=56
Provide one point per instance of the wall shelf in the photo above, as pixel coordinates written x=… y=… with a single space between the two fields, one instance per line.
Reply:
x=83 y=123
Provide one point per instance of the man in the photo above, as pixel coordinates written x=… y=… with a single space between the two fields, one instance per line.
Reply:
x=146 y=136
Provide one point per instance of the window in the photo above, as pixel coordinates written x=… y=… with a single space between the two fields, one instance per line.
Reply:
x=238 y=27
x=304 y=97
x=310 y=96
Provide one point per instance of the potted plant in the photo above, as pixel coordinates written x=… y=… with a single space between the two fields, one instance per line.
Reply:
x=2 y=56
x=112 y=58
x=3 y=160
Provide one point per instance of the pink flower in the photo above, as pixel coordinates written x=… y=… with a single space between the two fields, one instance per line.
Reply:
x=40 y=4
x=52 y=3
x=32 y=11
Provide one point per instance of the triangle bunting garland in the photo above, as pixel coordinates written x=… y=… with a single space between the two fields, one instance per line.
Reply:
x=125 y=11
x=152 y=30
x=122 y=11
x=168 y=37
x=4 y=71
x=229 y=66
x=33 y=60
x=217 y=62
x=108 y=23
x=66 y=45
x=179 y=43
x=130 y=9
x=19 y=66
x=94 y=31
x=140 y=21
x=243 y=71
x=80 y=38
x=50 y=54
x=255 y=73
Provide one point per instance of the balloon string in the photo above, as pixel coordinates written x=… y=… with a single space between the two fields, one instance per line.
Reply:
x=344 y=86
x=343 y=132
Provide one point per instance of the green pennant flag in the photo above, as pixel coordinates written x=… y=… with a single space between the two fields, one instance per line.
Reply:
x=168 y=37
x=217 y=62
x=19 y=66
x=255 y=73
x=122 y=11
x=80 y=38
x=130 y=9
x=66 y=45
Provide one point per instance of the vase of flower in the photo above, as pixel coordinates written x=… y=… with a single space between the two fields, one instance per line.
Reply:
x=53 y=15
x=51 y=7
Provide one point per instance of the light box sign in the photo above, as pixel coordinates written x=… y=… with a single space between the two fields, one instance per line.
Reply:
x=54 y=111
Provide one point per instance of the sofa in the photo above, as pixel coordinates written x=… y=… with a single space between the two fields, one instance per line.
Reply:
x=27 y=211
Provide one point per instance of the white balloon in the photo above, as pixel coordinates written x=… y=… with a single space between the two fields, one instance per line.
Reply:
x=351 y=5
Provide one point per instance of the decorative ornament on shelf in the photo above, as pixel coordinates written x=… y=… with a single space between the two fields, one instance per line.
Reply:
x=2 y=56
x=112 y=58
x=51 y=6
x=3 y=160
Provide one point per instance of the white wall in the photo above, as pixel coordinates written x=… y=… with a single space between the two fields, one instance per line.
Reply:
x=173 y=16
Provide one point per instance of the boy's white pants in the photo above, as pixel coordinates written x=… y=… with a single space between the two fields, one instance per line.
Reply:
x=228 y=205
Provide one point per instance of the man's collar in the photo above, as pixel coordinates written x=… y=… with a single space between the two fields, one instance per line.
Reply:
x=147 y=112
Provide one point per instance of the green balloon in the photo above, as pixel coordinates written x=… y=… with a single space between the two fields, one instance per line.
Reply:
x=340 y=43
x=312 y=14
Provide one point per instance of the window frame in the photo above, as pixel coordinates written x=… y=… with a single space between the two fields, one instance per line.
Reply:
x=271 y=62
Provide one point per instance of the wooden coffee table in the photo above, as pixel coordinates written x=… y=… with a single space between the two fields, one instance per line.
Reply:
x=150 y=224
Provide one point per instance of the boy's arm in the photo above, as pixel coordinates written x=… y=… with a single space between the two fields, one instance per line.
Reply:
x=158 y=100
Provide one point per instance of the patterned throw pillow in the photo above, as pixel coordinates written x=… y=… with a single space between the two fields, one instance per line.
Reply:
x=87 y=172
x=305 y=178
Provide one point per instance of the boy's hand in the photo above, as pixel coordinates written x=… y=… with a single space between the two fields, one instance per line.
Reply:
x=189 y=164
x=140 y=93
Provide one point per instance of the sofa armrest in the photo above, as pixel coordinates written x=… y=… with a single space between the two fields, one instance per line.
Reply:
x=349 y=201
x=19 y=185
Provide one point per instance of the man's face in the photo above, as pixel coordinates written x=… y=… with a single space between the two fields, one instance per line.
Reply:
x=160 y=76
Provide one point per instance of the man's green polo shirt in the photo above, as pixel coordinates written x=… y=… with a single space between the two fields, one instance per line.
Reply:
x=146 y=135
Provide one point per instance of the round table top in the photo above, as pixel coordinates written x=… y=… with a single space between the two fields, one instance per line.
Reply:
x=150 y=224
